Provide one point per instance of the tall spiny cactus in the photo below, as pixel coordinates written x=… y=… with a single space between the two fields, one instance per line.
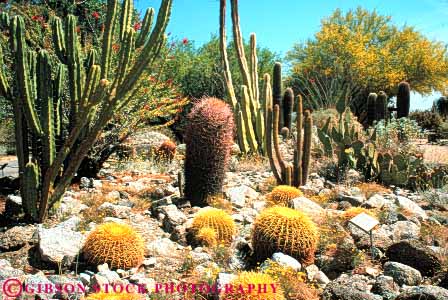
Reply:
x=403 y=99
x=371 y=108
x=248 y=110
x=288 y=104
x=49 y=148
x=381 y=106
x=286 y=173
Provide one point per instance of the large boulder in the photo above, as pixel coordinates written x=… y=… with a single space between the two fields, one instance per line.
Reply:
x=424 y=292
x=402 y=274
x=310 y=208
x=414 y=254
x=347 y=287
x=60 y=244
x=386 y=287
x=411 y=207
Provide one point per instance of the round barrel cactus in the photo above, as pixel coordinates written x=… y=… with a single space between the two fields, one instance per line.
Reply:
x=209 y=139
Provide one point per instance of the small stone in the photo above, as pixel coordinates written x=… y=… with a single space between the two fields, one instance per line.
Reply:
x=353 y=200
x=150 y=262
x=38 y=279
x=311 y=271
x=85 y=183
x=411 y=207
x=117 y=211
x=16 y=237
x=402 y=274
x=85 y=278
x=239 y=194
x=386 y=287
x=13 y=205
x=287 y=261
x=321 y=278
x=310 y=208
x=103 y=267
x=375 y=201
x=424 y=292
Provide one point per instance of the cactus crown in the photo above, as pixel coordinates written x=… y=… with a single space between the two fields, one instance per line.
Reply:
x=283 y=194
x=282 y=229
x=246 y=279
x=119 y=245
x=217 y=220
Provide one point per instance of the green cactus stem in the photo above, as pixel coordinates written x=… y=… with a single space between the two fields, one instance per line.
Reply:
x=288 y=104
x=403 y=99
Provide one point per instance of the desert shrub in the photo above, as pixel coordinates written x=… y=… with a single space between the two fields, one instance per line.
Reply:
x=426 y=119
x=395 y=136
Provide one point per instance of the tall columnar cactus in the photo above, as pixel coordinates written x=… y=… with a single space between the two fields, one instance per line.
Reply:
x=442 y=107
x=277 y=90
x=371 y=108
x=209 y=138
x=248 y=110
x=403 y=99
x=286 y=173
x=288 y=104
x=381 y=106
x=53 y=135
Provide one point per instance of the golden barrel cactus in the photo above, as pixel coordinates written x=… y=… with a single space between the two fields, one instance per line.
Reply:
x=250 y=283
x=283 y=194
x=217 y=220
x=283 y=229
x=118 y=245
x=115 y=296
x=207 y=237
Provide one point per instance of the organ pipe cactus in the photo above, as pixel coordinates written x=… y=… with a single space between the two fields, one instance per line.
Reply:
x=248 y=110
x=50 y=146
x=371 y=108
x=286 y=173
x=381 y=106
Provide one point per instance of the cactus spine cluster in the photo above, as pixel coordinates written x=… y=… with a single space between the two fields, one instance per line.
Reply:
x=295 y=174
x=248 y=110
x=49 y=146
x=118 y=245
x=213 y=220
x=209 y=139
x=283 y=229
x=403 y=99
x=283 y=194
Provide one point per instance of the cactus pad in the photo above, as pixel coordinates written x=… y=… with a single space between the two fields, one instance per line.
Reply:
x=217 y=220
x=119 y=245
x=282 y=229
x=249 y=279
x=283 y=194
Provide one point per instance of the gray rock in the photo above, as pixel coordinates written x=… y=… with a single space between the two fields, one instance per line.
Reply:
x=97 y=184
x=403 y=230
x=402 y=274
x=162 y=246
x=310 y=208
x=173 y=217
x=111 y=276
x=287 y=261
x=321 y=278
x=411 y=207
x=17 y=237
x=36 y=280
x=150 y=262
x=414 y=254
x=70 y=286
x=311 y=272
x=225 y=278
x=70 y=206
x=85 y=183
x=424 y=292
x=348 y=287
x=375 y=201
x=13 y=205
x=60 y=244
x=7 y=271
x=117 y=211
x=98 y=280
x=239 y=194
x=386 y=287
x=85 y=278
x=353 y=200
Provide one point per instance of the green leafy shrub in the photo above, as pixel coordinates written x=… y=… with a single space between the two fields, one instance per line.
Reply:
x=426 y=119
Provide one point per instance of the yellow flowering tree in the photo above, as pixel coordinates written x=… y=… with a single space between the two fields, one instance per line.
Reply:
x=367 y=51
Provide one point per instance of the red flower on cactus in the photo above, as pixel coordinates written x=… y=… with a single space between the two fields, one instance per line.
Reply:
x=116 y=48
x=96 y=15
x=169 y=81
x=37 y=18
x=137 y=26
x=185 y=41
x=312 y=80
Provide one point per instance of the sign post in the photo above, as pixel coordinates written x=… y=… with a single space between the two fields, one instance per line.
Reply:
x=366 y=223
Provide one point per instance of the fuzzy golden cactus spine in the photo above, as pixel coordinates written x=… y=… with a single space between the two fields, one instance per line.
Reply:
x=218 y=221
x=248 y=110
x=283 y=229
x=208 y=138
x=95 y=94
x=283 y=194
x=118 y=245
